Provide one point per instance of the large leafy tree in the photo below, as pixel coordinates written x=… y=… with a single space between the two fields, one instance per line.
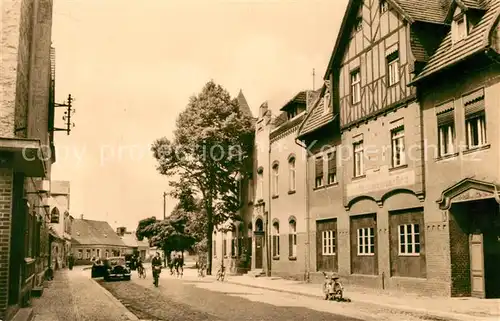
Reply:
x=210 y=148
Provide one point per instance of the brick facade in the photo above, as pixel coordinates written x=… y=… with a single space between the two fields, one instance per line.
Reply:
x=5 y=223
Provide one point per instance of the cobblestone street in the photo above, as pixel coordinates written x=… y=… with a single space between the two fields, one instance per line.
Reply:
x=193 y=299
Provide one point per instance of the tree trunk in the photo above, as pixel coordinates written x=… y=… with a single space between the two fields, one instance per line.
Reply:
x=210 y=231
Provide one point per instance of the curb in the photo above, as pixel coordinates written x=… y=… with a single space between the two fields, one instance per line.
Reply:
x=402 y=308
x=125 y=311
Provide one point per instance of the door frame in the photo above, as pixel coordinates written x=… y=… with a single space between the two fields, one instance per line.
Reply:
x=477 y=273
x=260 y=236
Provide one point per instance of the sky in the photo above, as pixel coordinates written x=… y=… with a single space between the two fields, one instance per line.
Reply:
x=132 y=66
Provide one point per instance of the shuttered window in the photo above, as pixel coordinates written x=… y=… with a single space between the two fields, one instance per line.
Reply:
x=445 y=115
x=319 y=171
x=475 y=118
x=332 y=167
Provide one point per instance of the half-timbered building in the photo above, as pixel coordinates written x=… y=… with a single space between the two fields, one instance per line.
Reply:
x=381 y=137
x=459 y=91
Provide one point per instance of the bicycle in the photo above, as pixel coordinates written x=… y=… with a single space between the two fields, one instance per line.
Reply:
x=201 y=270
x=221 y=273
x=141 y=271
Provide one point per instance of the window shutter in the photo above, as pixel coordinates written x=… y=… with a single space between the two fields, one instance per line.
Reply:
x=290 y=245
x=473 y=102
x=446 y=118
x=274 y=245
x=332 y=162
x=319 y=166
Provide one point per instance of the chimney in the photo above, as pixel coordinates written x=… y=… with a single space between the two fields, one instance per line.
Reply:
x=120 y=231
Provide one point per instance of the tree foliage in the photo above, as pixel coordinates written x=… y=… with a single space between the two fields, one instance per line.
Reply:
x=210 y=148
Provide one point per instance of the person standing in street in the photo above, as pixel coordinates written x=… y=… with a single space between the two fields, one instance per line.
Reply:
x=156 y=265
x=71 y=261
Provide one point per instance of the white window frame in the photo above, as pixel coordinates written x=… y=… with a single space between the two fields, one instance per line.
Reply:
x=480 y=122
x=366 y=240
x=106 y=254
x=393 y=70
x=356 y=86
x=293 y=231
x=446 y=139
x=276 y=169
x=329 y=175
x=359 y=165
x=276 y=239
x=80 y=254
x=398 y=146
x=292 y=174
x=408 y=230
x=328 y=243
x=459 y=33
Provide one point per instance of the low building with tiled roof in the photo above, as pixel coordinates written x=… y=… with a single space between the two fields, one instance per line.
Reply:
x=94 y=239
x=134 y=246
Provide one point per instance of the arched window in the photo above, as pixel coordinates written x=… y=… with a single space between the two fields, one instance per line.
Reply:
x=260 y=183
x=292 y=239
x=259 y=225
x=54 y=215
x=275 y=179
x=276 y=240
x=291 y=174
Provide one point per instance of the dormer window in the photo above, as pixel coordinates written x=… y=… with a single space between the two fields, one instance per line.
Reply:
x=459 y=28
x=384 y=7
x=292 y=112
x=359 y=23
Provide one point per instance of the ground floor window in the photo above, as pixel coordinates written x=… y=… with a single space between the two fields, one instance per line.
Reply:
x=363 y=237
x=407 y=253
x=80 y=254
x=326 y=245
x=88 y=254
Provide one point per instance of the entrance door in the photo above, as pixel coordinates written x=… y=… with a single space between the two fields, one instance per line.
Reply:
x=258 y=251
x=477 y=264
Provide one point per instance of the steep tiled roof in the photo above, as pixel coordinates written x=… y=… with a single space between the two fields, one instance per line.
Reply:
x=433 y=11
x=316 y=117
x=476 y=41
x=299 y=98
x=243 y=104
x=94 y=232
x=287 y=125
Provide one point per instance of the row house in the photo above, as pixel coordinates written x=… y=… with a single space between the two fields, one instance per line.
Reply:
x=394 y=196
x=26 y=151
x=60 y=224
x=91 y=240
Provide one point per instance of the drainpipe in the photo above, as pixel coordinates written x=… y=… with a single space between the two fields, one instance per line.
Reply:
x=268 y=214
x=308 y=242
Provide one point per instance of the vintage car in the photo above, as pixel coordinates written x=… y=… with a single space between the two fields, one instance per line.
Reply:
x=98 y=269
x=116 y=269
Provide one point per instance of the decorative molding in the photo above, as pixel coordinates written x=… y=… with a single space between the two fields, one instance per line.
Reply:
x=466 y=190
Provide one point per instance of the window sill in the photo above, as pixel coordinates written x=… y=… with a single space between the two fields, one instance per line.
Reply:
x=291 y=192
x=476 y=149
x=276 y=258
x=275 y=197
x=318 y=187
x=409 y=254
x=332 y=185
x=225 y=256
x=368 y=254
x=260 y=201
x=398 y=167
x=358 y=177
x=292 y=258
x=447 y=156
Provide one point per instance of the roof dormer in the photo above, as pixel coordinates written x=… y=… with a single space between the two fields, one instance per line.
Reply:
x=459 y=25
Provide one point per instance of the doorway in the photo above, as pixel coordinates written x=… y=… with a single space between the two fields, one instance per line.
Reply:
x=259 y=241
x=475 y=248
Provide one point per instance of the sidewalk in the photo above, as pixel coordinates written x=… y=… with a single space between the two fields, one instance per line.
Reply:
x=73 y=295
x=453 y=308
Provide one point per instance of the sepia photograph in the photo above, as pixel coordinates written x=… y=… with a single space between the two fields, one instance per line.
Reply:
x=253 y=160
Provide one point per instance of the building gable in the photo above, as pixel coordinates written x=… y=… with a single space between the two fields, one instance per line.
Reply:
x=373 y=31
